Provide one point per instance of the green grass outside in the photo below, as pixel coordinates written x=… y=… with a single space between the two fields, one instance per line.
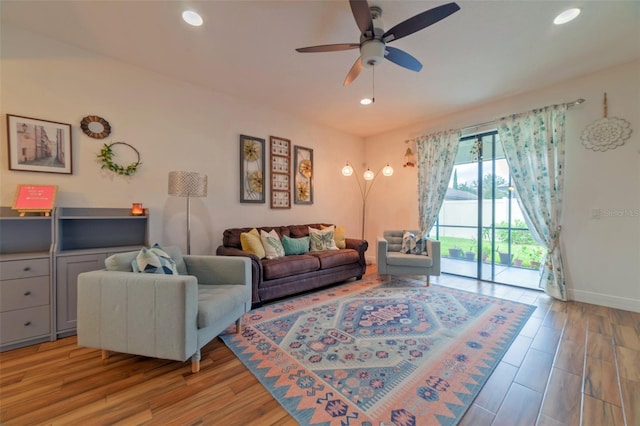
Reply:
x=527 y=253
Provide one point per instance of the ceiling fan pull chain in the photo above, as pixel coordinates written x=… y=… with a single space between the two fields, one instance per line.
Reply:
x=373 y=85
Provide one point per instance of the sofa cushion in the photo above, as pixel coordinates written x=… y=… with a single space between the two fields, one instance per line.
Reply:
x=216 y=301
x=120 y=261
x=271 y=243
x=231 y=237
x=295 y=245
x=289 y=265
x=394 y=240
x=252 y=243
x=322 y=239
x=332 y=258
x=297 y=231
x=401 y=259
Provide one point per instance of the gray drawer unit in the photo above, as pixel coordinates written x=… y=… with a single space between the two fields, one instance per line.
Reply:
x=24 y=324
x=24 y=293
x=26 y=268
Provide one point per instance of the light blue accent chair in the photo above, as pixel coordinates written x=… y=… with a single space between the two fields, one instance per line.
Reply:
x=391 y=260
x=162 y=316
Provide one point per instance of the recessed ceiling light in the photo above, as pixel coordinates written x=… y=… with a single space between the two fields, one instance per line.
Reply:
x=366 y=101
x=192 y=18
x=566 y=16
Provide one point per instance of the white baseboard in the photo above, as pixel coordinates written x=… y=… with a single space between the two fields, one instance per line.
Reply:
x=604 y=300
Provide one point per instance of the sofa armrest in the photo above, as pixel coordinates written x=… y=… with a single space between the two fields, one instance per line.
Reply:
x=360 y=246
x=433 y=251
x=381 y=255
x=144 y=314
x=221 y=270
x=256 y=267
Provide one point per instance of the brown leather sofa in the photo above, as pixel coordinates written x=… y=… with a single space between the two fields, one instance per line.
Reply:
x=288 y=275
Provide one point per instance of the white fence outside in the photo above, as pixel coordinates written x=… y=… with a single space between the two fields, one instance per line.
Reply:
x=465 y=213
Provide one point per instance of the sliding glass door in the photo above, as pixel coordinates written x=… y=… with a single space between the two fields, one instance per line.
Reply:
x=481 y=228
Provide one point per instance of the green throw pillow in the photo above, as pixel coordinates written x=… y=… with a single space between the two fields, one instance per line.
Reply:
x=295 y=245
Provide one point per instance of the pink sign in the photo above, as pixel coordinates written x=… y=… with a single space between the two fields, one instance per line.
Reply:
x=35 y=197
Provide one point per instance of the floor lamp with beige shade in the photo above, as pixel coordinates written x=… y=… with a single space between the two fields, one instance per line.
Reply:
x=188 y=184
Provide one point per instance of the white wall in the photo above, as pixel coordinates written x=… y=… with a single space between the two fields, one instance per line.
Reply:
x=175 y=126
x=602 y=256
x=179 y=126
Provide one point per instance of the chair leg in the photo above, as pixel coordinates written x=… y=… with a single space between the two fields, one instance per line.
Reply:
x=428 y=281
x=239 y=325
x=195 y=362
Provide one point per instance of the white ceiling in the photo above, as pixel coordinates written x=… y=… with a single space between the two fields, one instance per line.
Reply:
x=486 y=51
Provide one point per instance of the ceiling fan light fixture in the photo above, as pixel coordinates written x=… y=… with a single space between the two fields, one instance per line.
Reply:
x=372 y=52
x=566 y=16
x=192 y=18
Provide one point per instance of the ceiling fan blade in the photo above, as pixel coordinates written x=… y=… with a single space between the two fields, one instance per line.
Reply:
x=420 y=21
x=353 y=72
x=328 y=47
x=402 y=58
x=362 y=15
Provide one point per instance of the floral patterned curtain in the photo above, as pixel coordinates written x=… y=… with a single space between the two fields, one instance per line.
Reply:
x=436 y=157
x=534 y=145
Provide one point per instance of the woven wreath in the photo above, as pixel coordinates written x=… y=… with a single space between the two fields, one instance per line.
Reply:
x=106 y=158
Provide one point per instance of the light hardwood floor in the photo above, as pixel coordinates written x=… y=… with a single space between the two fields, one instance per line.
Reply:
x=572 y=364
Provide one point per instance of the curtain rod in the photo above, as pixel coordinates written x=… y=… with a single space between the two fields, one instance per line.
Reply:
x=569 y=104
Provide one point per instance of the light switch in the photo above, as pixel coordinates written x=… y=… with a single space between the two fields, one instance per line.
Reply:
x=595 y=213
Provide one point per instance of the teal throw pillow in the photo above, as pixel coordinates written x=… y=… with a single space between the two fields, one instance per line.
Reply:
x=154 y=260
x=295 y=245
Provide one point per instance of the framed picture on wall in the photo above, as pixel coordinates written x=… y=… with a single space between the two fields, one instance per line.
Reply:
x=39 y=145
x=303 y=175
x=252 y=167
x=280 y=173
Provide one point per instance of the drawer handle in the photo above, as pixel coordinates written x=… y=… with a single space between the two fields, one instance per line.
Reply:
x=27 y=324
x=27 y=269
x=27 y=293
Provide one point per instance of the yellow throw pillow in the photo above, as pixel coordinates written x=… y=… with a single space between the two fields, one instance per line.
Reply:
x=339 y=235
x=250 y=242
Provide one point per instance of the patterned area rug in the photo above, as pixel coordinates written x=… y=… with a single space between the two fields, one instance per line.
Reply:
x=375 y=353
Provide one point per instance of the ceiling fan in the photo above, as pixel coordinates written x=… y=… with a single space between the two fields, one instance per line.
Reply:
x=373 y=38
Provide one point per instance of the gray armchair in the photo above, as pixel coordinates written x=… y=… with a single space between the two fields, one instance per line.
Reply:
x=162 y=316
x=391 y=261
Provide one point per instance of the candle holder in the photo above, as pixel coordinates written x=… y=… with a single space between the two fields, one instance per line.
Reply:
x=137 y=210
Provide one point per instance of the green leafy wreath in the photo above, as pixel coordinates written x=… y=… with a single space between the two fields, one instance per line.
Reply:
x=106 y=158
